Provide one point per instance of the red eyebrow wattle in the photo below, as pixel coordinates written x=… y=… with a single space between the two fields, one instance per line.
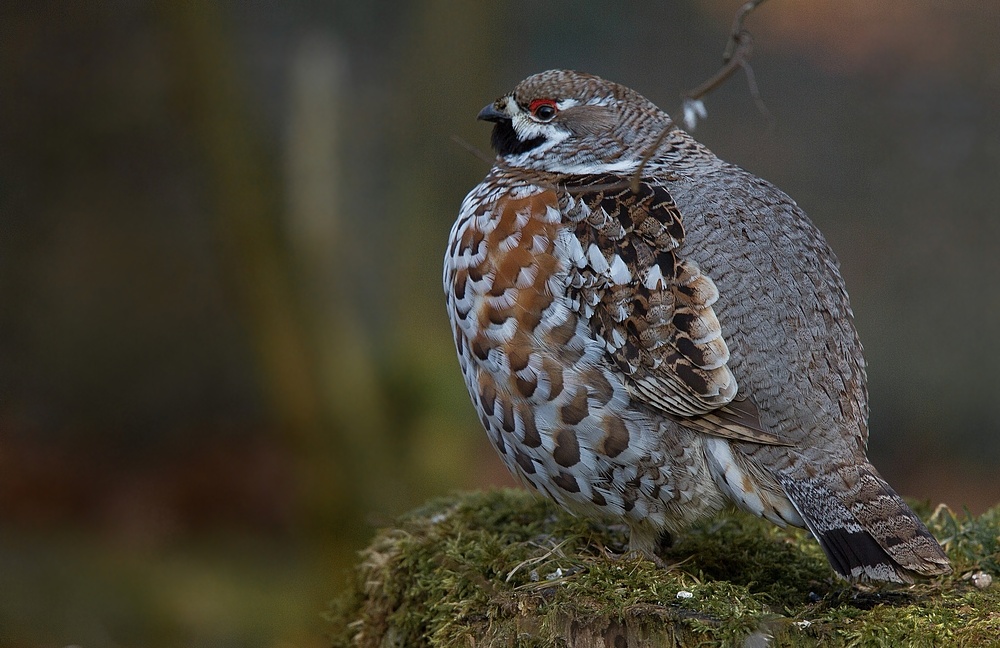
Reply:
x=534 y=105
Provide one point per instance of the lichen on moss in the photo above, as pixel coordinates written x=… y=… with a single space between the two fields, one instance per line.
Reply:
x=504 y=568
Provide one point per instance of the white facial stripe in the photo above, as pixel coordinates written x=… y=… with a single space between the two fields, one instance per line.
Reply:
x=527 y=128
x=621 y=166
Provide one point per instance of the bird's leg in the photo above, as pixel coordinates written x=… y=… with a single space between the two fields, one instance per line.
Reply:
x=645 y=539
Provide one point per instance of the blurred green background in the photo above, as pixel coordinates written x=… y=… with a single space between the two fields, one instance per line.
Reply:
x=224 y=357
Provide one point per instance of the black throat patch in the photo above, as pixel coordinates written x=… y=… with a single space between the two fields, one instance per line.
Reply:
x=505 y=141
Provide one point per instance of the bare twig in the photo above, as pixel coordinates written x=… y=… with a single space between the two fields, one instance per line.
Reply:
x=755 y=93
x=732 y=60
x=736 y=55
x=648 y=155
x=472 y=149
x=741 y=16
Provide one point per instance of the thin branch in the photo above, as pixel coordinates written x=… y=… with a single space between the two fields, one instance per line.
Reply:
x=734 y=59
x=738 y=20
x=755 y=93
x=736 y=55
x=648 y=155
x=472 y=149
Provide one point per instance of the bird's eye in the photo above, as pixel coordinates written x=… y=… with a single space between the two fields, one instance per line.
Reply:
x=543 y=109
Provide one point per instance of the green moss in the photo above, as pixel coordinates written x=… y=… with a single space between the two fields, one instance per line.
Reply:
x=505 y=568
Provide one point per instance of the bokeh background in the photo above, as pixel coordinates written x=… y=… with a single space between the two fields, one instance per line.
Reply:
x=224 y=357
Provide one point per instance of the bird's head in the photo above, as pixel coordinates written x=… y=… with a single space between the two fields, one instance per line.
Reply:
x=571 y=122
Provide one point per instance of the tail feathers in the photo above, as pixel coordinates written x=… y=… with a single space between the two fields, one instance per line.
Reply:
x=865 y=529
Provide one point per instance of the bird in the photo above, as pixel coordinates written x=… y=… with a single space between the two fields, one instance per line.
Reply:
x=652 y=335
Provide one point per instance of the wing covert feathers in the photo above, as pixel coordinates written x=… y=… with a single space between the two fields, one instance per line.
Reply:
x=652 y=307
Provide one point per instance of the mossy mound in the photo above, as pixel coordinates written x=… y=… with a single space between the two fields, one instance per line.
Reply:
x=505 y=568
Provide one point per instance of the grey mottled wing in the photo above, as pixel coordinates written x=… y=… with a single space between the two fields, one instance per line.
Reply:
x=653 y=308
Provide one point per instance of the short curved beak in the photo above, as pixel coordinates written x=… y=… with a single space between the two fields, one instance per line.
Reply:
x=491 y=114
